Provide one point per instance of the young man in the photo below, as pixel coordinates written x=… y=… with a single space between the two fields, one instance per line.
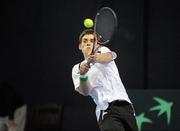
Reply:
x=100 y=79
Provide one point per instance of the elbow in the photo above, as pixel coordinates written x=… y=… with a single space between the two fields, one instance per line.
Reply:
x=82 y=92
x=85 y=93
x=110 y=56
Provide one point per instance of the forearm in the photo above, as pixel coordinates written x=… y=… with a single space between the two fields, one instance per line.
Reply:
x=104 y=57
x=84 y=87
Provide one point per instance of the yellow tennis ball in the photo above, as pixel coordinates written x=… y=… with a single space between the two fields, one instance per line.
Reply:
x=88 y=23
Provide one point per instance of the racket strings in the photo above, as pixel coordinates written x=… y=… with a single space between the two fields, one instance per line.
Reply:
x=105 y=24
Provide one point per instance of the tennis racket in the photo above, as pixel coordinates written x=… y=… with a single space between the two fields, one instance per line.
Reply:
x=105 y=25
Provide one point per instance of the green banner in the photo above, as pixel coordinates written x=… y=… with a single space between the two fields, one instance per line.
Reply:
x=156 y=110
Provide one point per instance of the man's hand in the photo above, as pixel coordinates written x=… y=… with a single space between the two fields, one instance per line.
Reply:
x=84 y=67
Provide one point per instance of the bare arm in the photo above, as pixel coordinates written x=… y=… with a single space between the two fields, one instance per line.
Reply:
x=103 y=57
x=84 y=86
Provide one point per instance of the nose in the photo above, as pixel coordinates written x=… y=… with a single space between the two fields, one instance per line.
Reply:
x=88 y=44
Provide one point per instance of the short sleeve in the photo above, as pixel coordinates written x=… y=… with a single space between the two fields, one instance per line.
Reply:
x=75 y=76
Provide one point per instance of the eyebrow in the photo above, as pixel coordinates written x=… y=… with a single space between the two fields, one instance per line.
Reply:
x=85 y=39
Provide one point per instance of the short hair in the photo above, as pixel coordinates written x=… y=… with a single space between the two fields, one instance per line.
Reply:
x=87 y=31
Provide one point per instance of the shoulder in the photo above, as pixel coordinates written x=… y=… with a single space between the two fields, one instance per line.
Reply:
x=75 y=67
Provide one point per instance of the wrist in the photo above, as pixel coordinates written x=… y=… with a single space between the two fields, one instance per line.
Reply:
x=83 y=78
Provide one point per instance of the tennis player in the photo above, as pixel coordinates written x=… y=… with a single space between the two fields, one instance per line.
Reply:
x=100 y=79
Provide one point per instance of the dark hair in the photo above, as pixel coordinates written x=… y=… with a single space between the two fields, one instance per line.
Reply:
x=87 y=31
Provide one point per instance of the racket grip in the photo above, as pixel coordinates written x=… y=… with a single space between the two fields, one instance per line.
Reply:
x=89 y=62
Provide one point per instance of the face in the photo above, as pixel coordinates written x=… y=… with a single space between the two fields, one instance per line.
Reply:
x=86 y=44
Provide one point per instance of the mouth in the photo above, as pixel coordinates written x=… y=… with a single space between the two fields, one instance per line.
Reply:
x=88 y=48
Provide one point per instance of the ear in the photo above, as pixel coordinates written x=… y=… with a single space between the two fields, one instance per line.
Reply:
x=80 y=46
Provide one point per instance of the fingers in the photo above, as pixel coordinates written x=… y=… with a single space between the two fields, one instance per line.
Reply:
x=84 y=67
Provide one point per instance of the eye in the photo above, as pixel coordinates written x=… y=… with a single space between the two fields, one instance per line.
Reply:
x=85 y=41
x=92 y=40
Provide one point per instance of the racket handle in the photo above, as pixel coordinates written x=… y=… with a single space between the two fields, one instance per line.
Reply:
x=89 y=62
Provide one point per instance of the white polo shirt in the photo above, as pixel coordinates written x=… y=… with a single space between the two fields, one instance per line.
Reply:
x=105 y=81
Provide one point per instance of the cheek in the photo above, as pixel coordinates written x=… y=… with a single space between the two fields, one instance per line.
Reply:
x=83 y=45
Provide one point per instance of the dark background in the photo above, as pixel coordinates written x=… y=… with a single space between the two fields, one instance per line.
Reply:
x=39 y=46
